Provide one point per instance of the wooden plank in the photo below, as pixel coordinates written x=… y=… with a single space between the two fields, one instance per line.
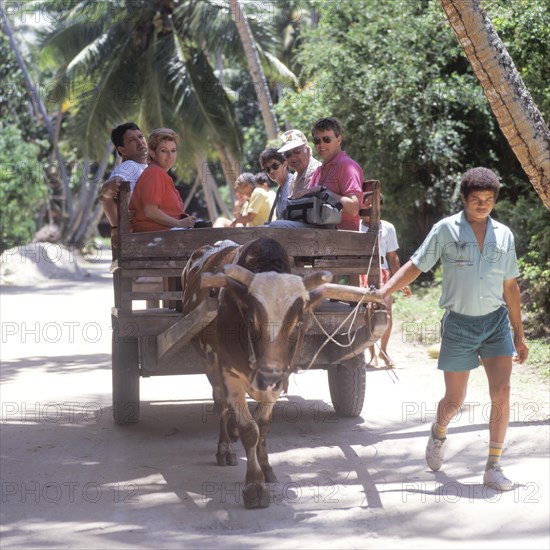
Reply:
x=186 y=361
x=182 y=332
x=145 y=322
x=152 y=271
x=160 y=295
x=304 y=242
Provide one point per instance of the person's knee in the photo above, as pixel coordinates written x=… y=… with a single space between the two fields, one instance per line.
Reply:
x=500 y=391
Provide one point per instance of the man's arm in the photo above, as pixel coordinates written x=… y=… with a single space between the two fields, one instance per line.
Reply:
x=512 y=298
x=350 y=204
x=244 y=219
x=404 y=277
x=395 y=265
x=108 y=197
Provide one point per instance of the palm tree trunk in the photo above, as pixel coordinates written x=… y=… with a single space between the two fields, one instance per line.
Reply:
x=88 y=217
x=258 y=76
x=517 y=115
x=212 y=196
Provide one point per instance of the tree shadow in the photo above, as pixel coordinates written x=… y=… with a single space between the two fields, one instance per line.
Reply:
x=60 y=364
x=158 y=478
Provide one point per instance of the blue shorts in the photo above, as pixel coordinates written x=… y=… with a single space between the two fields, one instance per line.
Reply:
x=464 y=339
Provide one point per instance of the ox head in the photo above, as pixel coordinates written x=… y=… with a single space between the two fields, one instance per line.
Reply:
x=269 y=307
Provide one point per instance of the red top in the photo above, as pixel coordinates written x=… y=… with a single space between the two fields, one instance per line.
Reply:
x=154 y=186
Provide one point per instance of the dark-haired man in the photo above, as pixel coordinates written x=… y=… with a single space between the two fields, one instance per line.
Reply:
x=481 y=299
x=131 y=145
x=338 y=173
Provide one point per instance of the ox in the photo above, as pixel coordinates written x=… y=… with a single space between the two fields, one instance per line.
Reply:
x=249 y=347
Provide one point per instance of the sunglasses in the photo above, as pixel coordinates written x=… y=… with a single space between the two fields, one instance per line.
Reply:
x=288 y=154
x=274 y=166
x=325 y=139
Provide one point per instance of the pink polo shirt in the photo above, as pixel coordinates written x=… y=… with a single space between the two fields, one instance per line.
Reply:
x=343 y=176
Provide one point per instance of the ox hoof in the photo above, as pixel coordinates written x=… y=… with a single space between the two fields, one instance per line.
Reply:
x=226 y=459
x=270 y=476
x=255 y=496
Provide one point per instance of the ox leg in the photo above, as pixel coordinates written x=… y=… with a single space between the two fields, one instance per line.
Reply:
x=226 y=455
x=263 y=414
x=255 y=493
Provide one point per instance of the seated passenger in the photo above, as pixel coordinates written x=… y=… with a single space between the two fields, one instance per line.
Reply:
x=131 y=145
x=297 y=152
x=155 y=202
x=257 y=210
x=262 y=181
x=275 y=166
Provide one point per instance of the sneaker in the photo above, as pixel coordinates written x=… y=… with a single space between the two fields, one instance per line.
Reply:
x=495 y=478
x=435 y=451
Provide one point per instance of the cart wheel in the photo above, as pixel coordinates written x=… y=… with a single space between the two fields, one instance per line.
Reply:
x=125 y=380
x=347 y=389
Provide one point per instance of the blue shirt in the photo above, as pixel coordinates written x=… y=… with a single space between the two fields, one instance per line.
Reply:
x=282 y=201
x=473 y=279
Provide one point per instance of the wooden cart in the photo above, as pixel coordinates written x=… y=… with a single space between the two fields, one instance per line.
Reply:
x=152 y=337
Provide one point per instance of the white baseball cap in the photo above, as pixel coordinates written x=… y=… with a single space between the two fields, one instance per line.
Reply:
x=292 y=139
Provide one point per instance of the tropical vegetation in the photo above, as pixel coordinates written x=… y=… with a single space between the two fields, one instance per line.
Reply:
x=413 y=109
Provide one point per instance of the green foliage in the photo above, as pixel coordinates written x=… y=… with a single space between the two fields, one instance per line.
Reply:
x=420 y=314
x=414 y=114
x=530 y=223
x=524 y=27
x=21 y=189
x=539 y=351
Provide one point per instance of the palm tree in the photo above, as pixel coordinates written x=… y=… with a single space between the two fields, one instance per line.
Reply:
x=517 y=115
x=152 y=61
x=255 y=67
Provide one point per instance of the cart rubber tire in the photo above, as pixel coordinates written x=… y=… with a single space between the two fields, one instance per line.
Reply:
x=125 y=380
x=347 y=389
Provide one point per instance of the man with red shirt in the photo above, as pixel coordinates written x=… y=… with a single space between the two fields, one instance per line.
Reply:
x=338 y=173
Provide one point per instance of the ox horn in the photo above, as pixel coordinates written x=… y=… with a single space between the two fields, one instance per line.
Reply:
x=313 y=280
x=348 y=293
x=213 y=280
x=239 y=273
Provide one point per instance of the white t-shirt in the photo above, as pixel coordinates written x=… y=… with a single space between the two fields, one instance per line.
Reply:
x=387 y=240
x=128 y=170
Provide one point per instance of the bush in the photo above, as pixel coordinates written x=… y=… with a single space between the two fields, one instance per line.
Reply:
x=21 y=189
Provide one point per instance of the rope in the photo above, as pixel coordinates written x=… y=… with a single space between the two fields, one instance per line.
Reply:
x=354 y=313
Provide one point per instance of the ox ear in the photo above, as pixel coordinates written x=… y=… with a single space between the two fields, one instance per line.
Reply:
x=317 y=279
x=238 y=273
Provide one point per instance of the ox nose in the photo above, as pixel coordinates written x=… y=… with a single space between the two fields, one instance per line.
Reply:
x=268 y=379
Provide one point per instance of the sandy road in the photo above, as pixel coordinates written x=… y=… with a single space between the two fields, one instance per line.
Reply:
x=72 y=479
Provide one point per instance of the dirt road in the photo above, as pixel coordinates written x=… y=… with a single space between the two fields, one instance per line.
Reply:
x=72 y=479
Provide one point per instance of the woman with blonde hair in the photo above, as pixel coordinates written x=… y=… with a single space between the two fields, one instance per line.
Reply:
x=155 y=202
